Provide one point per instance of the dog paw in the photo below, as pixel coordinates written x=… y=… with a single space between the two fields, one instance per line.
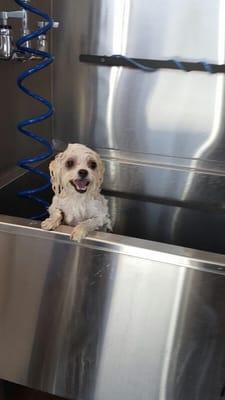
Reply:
x=49 y=224
x=78 y=233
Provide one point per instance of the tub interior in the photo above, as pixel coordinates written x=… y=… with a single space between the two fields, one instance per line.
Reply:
x=136 y=216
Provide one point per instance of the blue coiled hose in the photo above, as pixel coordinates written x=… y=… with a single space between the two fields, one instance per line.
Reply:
x=179 y=64
x=47 y=59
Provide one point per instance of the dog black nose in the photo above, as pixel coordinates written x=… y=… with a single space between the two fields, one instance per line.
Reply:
x=83 y=173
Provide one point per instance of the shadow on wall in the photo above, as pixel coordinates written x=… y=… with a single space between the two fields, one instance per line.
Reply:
x=11 y=391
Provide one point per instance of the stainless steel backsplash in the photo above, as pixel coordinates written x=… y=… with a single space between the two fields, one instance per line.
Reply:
x=162 y=133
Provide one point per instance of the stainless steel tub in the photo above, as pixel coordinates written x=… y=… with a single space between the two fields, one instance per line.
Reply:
x=115 y=317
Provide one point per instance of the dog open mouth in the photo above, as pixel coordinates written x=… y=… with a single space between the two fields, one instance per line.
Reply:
x=80 y=185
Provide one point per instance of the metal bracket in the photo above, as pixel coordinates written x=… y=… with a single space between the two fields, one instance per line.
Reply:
x=151 y=65
x=5 y=15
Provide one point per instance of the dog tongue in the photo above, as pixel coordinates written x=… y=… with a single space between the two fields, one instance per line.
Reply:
x=81 y=184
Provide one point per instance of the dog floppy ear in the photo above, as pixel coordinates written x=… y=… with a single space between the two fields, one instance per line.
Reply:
x=101 y=171
x=55 y=173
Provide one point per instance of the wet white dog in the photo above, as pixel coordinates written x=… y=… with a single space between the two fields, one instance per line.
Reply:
x=77 y=176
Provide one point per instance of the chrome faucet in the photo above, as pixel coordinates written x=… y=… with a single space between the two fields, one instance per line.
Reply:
x=42 y=42
x=8 y=48
x=6 y=42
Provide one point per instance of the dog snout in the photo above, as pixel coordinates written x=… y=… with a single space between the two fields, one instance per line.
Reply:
x=82 y=173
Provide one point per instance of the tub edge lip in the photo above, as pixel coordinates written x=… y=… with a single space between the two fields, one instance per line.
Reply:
x=130 y=246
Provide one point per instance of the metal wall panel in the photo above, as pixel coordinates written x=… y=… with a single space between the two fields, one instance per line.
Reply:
x=166 y=113
x=161 y=134
x=113 y=318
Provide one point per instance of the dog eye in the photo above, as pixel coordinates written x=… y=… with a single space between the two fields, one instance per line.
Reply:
x=92 y=164
x=70 y=163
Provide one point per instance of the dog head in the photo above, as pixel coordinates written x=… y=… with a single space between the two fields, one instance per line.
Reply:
x=78 y=169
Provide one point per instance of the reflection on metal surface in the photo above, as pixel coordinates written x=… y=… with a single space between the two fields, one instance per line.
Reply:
x=161 y=135
x=170 y=343
x=121 y=316
x=96 y=321
x=168 y=113
x=121 y=12
x=215 y=133
x=144 y=215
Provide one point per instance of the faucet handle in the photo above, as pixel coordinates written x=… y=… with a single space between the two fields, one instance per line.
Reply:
x=42 y=43
x=4 y=15
x=6 y=42
x=41 y=24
